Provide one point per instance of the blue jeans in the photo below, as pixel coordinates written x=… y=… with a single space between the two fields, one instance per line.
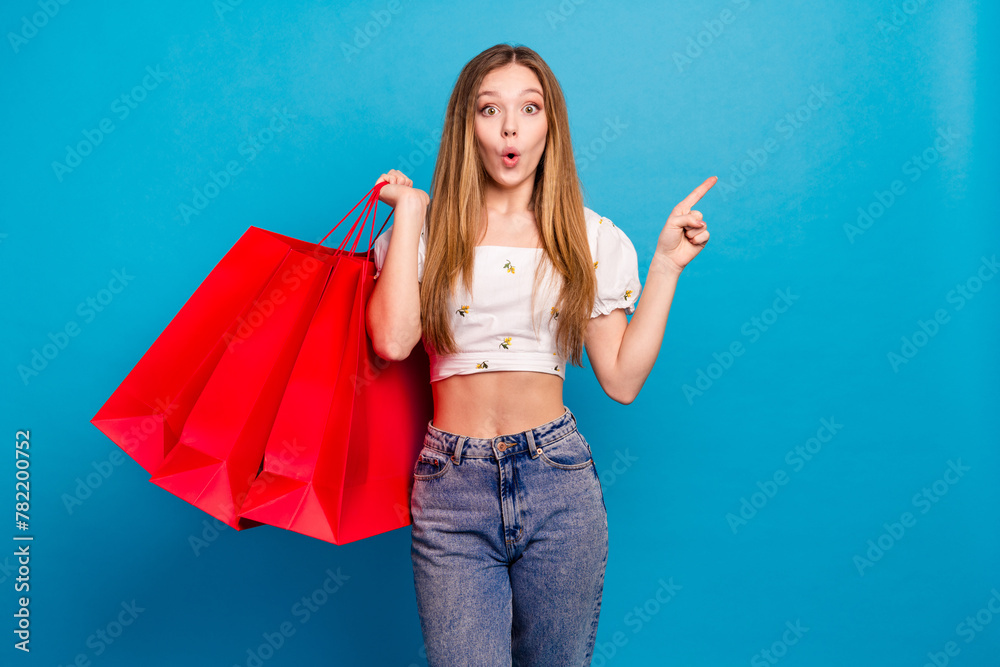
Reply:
x=509 y=547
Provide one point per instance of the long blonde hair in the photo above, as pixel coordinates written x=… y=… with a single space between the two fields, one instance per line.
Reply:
x=457 y=209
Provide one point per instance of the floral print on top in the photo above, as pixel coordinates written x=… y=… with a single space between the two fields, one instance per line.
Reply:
x=492 y=325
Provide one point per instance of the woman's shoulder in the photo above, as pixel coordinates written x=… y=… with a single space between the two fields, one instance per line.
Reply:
x=605 y=236
x=598 y=226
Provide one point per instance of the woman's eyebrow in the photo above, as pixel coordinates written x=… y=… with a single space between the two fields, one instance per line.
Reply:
x=496 y=94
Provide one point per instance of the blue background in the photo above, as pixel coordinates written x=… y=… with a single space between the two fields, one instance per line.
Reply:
x=693 y=92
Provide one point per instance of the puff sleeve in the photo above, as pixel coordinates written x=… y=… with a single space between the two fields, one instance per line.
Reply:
x=617 y=266
x=381 y=248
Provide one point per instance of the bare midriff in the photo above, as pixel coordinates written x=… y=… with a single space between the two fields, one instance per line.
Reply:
x=485 y=405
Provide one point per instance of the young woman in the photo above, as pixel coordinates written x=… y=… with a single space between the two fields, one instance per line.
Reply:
x=510 y=533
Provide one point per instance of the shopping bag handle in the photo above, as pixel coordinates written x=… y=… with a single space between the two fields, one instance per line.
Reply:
x=371 y=208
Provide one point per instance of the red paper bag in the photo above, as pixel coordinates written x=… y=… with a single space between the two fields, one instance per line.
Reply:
x=199 y=408
x=339 y=466
x=146 y=413
x=222 y=441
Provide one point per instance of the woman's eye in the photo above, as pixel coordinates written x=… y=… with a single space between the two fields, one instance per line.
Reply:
x=487 y=109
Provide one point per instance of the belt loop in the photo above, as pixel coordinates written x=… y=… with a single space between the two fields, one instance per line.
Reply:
x=457 y=456
x=532 y=449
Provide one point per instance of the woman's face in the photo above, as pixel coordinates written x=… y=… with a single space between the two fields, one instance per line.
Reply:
x=510 y=117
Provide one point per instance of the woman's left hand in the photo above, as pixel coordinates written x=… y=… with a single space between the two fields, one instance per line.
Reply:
x=685 y=233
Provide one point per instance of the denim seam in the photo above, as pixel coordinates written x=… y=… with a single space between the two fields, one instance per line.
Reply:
x=539 y=442
x=445 y=467
x=565 y=466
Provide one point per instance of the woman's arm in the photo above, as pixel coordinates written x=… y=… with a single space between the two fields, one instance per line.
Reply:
x=622 y=351
x=393 y=315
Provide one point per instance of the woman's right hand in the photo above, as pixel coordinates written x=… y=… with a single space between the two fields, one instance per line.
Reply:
x=400 y=189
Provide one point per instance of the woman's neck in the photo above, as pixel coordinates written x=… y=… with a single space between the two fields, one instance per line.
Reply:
x=509 y=201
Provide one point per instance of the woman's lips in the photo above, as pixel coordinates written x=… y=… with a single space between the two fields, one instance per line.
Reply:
x=511 y=161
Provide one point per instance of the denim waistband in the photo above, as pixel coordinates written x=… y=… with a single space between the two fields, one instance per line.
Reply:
x=463 y=446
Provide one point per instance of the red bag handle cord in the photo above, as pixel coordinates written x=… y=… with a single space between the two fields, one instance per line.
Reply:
x=371 y=207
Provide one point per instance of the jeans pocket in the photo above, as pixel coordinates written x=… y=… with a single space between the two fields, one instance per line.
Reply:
x=431 y=464
x=569 y=453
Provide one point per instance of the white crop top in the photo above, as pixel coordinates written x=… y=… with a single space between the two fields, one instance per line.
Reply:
x=492 y=326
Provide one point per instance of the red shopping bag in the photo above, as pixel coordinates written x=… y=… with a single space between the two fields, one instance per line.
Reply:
x=198 y=409
x=338 y=466
x=221 y=444
x=146 y=413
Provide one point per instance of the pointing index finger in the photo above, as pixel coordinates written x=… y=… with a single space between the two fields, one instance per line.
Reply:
x=696 y=194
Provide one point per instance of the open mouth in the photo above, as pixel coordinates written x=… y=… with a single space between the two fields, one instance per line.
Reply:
x=511 y=159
